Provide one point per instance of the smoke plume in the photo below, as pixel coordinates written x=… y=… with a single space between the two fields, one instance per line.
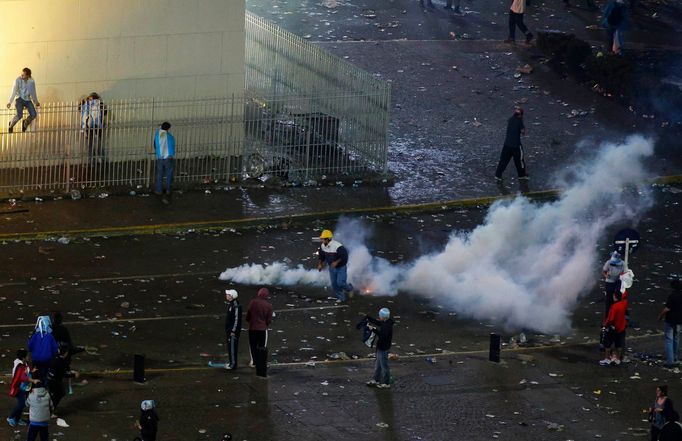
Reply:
x=526 y=266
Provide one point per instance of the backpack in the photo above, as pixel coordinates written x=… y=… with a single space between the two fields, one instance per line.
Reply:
x=16 y=385
x=617 y=15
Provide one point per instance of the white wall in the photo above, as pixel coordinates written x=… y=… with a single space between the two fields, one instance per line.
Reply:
x=123 y=48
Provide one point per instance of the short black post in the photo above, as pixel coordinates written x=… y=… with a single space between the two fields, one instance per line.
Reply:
x=138 y=369
x=495 y=342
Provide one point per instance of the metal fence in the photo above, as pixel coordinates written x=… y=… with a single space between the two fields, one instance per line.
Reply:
x=305 y=114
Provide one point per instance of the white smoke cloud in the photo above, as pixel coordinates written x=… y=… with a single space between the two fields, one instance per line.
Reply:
x=526 y=266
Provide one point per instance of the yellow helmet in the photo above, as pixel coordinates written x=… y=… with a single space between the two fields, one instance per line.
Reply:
x=326 y=234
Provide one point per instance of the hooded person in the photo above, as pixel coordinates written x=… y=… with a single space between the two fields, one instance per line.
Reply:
x=149 y=421
x=383 y=328
x=259 y=316
x=43 y=347
x=39 y=411
x=611 y=270
x=233 y=327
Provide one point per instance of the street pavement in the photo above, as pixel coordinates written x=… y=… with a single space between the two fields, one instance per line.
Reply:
x=125 y=293
x=159 y=295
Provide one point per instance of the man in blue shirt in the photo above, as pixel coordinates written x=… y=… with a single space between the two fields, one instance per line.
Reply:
x=164 y=147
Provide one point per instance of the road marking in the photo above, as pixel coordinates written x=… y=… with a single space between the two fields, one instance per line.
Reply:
x=150 y=276
x=362 y=360
x=170 y=317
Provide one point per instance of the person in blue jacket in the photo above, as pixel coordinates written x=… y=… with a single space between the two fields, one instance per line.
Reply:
x=43 y=347
x=164 y=147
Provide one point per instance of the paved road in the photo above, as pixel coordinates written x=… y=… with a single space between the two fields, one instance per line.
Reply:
x=159 y=295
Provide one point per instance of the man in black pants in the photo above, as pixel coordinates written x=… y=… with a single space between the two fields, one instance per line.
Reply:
x=512 y=146
x=516 y=11
x=233 y=327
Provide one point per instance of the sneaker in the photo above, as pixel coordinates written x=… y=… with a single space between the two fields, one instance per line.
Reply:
x=529 y=38
x=21 y=422
x=251 y=365
x=11 y=422
x=524 y=178
x=384 y=386
x=615 y=361
x=605 y=362
x=370 y=383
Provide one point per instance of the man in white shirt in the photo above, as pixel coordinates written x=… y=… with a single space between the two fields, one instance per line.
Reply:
x=24 y=90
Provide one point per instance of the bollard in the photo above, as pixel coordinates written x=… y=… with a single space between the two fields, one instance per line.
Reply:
x=495 y=342
x=138 y=369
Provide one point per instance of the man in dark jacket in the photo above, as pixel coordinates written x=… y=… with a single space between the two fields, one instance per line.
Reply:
x=672 y=313
x=259 y=315
x=383 y=328
x=59 y=370
x=512 y=146
x=233 y=326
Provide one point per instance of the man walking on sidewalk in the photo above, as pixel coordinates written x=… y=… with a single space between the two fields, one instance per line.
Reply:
x=512 y=146
x=24 y=90
x=259 y=315
x=233 y=327
x=516 y=11
x=164 y=147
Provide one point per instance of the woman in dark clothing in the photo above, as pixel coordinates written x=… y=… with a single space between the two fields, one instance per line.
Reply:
x=661 y=411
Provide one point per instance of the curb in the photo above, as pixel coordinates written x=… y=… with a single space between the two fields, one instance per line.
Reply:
x=201 y=226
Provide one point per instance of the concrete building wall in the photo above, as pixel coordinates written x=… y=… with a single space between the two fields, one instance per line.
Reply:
x=124 y=48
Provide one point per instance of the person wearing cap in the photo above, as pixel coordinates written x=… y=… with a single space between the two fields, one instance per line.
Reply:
x=672 y=314
x=335 y=256
x=512 y=146
x=611 y=271
x=383 y=328
x=259 y=315
x=233 y=327
x=164 y=147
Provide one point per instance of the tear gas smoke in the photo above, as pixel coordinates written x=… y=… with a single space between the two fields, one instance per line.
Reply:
x=526 y=266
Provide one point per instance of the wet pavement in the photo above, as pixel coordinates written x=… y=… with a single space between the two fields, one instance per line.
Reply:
x=159 y=295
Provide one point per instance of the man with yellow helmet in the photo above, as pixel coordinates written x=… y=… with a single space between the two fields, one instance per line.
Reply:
x=335 y=256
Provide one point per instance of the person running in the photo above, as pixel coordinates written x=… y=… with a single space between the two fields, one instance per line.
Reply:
x=516 y=11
